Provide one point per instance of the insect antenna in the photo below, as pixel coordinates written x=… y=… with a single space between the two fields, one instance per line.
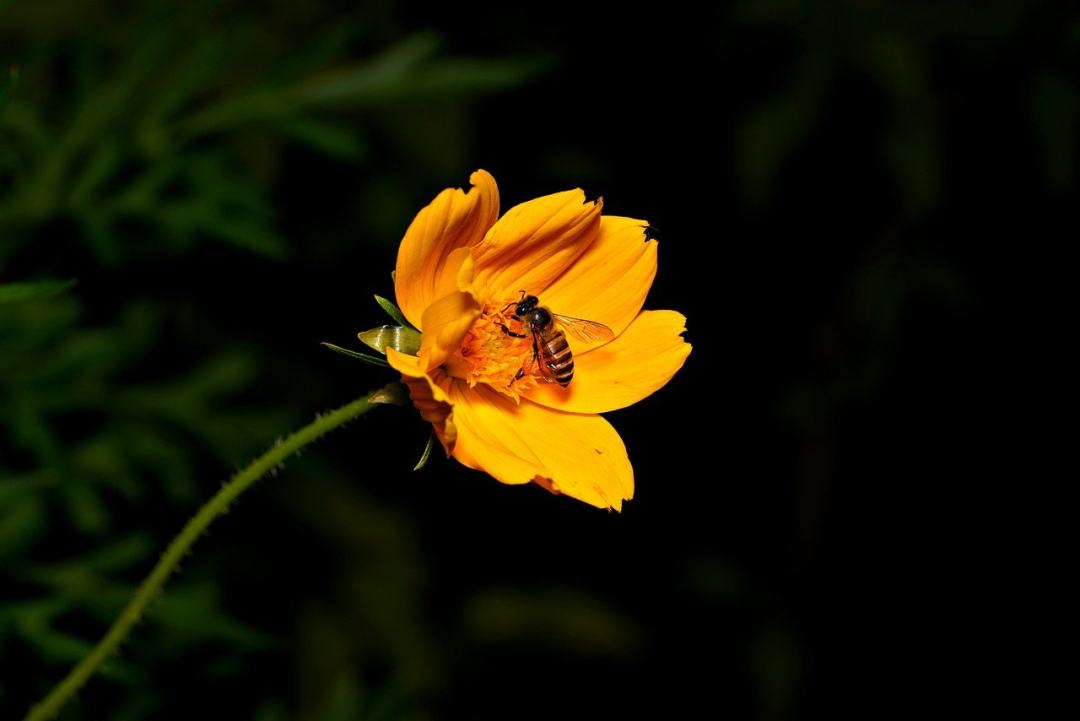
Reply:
x=514 y=302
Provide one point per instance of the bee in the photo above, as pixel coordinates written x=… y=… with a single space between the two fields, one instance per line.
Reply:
x=551 y=350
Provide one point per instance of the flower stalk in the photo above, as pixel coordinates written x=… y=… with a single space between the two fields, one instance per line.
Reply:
x=51 y=705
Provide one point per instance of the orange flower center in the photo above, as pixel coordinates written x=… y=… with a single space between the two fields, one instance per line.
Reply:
x=489 y=354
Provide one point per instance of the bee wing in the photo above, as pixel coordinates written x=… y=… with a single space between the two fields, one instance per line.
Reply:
x=586 y=330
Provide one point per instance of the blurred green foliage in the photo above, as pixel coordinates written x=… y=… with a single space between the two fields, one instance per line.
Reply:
x=131 y=150
x=82 y=451
x=129 y=137
x=897 y=50
x=560 y=618
x=833 y=40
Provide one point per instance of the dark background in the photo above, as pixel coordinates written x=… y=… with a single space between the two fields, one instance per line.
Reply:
x=839 y=190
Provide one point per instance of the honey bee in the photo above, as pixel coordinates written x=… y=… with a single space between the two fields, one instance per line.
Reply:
x=551 y=350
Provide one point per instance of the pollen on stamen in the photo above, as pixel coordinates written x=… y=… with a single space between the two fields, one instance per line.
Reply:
x=489 y=355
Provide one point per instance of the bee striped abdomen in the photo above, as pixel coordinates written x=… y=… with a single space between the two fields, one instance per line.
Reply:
x=551 y=350
x=557 y=358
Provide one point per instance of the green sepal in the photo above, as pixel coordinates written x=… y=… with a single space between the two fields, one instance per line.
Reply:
x=392 y=310
x=372 y=359
x=391 y=394
x=402 y=339
x=427 y=453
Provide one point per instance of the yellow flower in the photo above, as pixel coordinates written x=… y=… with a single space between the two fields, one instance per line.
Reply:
x=460 y=269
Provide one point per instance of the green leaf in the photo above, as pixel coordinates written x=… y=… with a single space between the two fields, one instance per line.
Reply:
x=564 y=619
x=474 y=76
x=7 y=89
x=408 y=71
x=16 y=292
x=22 y=523
x=85 y=508
x=392 y=310
x=373 y=360
x=54 y=645
x=346 y=701
x=377 y=76
x=193 y=612
x=771 y=133
x=401 y=339
x=332 y=139
x=1055 y=111
x=119 y=555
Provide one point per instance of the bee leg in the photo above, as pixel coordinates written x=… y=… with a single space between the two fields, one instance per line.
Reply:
x=511 y=333
x=528 y=366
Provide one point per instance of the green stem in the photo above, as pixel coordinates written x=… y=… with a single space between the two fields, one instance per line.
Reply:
x=153 y=584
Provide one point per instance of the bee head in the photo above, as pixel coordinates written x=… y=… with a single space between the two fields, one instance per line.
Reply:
x=526 y=304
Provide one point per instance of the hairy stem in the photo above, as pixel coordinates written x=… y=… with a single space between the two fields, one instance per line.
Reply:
x=152 y=585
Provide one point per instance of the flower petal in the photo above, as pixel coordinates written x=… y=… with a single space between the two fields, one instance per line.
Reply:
x=455 y=219
x=579 y=455
x=633 y=366
x=610 y=280
x=404 y=363
x=447 y=321
x=433 y=409
x=429 y=393
x=534 y=243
